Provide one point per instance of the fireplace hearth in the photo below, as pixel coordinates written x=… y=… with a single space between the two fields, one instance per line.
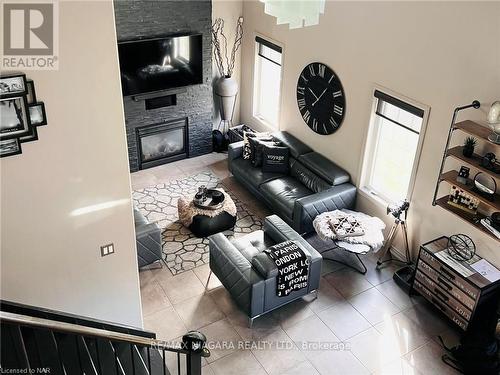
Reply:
x=162 y=143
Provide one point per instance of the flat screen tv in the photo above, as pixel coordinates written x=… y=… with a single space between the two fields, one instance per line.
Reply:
x=148 y=65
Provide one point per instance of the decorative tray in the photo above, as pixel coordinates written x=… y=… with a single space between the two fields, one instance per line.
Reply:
x=213 y=200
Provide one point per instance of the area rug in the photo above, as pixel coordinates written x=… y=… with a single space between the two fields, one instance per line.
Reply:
x=181 y=249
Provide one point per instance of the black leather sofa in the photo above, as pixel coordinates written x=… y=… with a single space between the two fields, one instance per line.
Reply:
x=313 y=185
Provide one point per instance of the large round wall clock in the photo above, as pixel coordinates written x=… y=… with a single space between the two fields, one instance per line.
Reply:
x=321 y=99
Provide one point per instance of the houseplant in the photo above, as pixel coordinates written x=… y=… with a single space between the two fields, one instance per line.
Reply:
x=469 y=145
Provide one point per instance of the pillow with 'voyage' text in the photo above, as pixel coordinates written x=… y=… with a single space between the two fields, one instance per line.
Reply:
x=275 y=159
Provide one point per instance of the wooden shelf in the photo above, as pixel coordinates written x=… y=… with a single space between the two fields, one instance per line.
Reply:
x=475 y=160
x=451 y=178
x=475 y=129
x=471 y=219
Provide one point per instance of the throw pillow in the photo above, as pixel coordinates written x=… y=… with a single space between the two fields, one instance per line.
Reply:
x=247 y=152
x=275 y=159
x=344 y=225
x=256 y=149
x=246 y=144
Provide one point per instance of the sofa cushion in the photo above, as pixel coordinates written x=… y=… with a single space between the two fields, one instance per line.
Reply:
x=253 y=175
x=326 y=169
x=308 y=178
x=252 y=244
x=283 y=192
x=296 y=146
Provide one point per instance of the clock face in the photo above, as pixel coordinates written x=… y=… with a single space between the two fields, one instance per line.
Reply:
x=320 y=97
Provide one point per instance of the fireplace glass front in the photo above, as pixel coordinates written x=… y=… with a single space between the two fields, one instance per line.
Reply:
x=162 y=143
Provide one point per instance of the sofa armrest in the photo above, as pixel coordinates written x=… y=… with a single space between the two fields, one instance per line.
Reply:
x=146 y=229
x=307 y=208
x=235 y=150
x=236 y=274
x=280 y=231
x=148 y=241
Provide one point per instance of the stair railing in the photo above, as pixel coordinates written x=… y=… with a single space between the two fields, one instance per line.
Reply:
x=193 y=345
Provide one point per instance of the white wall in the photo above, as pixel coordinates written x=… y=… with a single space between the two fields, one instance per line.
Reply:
x=229 y=11
x=50 y=254
x=442 y=54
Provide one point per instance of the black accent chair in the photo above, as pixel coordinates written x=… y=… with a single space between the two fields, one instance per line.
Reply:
x=148 y=240
x=249 y=275
x=314 y=184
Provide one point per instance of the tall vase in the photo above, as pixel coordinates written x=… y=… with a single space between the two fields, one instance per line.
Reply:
x=226 y=88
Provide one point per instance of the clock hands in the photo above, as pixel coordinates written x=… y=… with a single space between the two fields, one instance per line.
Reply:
x=312 y=92
x=318 y=97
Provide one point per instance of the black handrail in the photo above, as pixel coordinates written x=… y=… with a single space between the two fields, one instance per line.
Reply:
x=136 y=352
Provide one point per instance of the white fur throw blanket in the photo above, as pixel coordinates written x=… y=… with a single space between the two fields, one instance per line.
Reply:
x=372 y=239
x=187 y=210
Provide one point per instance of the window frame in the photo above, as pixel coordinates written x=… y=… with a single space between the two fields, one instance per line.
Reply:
x=255 y=85
x=370 y=144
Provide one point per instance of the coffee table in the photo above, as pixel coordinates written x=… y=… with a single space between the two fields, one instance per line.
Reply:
x=204 y=222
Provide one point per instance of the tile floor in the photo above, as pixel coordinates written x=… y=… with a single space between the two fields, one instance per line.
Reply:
x=366 y=324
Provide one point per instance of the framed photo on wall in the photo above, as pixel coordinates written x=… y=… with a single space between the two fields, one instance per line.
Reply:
x=13 y=85
x=31 y=95
x=10 y=147
x=32 y=136
x=14 y=117
x=38 y=117
x=20 y=113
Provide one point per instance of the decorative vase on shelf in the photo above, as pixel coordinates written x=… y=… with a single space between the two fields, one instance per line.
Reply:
x=493 y=120
x=226 y=88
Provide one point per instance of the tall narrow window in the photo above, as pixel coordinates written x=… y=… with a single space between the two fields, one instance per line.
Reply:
x=392 y=148
x=267 y=82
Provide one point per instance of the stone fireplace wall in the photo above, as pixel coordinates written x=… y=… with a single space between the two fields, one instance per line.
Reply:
x=148 y=19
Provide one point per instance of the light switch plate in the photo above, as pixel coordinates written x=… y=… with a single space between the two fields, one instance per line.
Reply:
x=107 y=249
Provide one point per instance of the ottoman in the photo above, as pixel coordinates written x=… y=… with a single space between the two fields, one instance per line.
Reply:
x=205 y=222
x=204 y=226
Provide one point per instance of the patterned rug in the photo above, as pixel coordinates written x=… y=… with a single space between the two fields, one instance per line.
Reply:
x=182 y=250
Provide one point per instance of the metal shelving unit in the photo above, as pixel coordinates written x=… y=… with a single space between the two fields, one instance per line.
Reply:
x=481 y=133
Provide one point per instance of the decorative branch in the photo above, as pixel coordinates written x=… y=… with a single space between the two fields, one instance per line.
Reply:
x=225 y=63
x=237 y=44
x=217 y=49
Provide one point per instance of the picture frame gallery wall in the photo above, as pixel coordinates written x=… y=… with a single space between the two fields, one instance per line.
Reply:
x=20 y=113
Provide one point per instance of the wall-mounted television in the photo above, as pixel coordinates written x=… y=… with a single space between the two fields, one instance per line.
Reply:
x=164 y=63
